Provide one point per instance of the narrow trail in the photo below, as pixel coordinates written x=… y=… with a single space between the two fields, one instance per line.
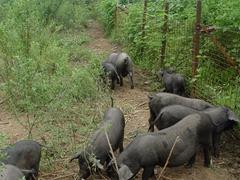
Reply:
x=134 y=104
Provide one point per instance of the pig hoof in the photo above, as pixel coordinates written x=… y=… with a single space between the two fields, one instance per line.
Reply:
x=207 y=165
x=188 y=166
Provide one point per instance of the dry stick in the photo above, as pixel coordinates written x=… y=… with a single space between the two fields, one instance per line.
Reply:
x=111 y=150
x=143 y=29
x=161 y=174
x=141 y=104
x=52 y=174
x=164 y=177
x=103 y=177
x=3 y=101
x=63 y=177
x=4 y=123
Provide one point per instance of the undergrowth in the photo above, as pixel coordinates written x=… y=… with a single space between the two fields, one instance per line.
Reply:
x=216 y=82
x=48 y=75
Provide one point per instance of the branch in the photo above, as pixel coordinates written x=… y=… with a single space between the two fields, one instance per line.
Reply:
x=142 y=104
x=4 y=123
x=3 y=101
x=161 y=174
x=111 y=150
x=63 y=177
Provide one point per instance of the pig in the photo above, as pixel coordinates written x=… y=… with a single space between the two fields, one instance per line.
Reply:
x=173 y=82
x=24 y=154
x=151 y=149
x=98 y=151
x=161 y=100
x=10 y=172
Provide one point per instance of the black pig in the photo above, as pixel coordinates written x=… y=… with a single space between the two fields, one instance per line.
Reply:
x=24 y=154
x=98 y=150
x=147 y=151
x=161 y=100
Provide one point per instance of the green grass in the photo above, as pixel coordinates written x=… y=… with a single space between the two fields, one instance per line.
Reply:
x=50 y=76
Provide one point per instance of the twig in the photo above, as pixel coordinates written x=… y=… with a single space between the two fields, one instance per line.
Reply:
x=102 y=176
x=141 y=104
x=52 y=174
x=165 y=177
x=3 y=101
x=111 y=150
x=63 y=177
x=161 y=174
x=3 y=123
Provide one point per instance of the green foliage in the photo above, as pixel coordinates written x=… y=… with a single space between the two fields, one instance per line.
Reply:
x=212 y=81
x=107 y=9
x=48 y=74
x=222 y=13
x=3 y=143
x=3 y=140
x=128 y=30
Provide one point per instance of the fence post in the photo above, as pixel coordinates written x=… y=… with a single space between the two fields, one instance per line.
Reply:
x=144 y=21
x=164 y=32
x=116 y=18
x=196 y=43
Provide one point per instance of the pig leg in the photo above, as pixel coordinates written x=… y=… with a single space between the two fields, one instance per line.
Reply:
x=207 y=157
x=121 y=80
x=150 y=121
x=148 y=172
x=216 y=142
x=112 y=84
x=85 y=175
x=111 y=169
x=191 y=161
x=121 y=145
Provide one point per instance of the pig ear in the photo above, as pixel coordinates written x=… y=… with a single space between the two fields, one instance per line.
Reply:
x=76 y=156
x=150 y=97
x=232 y=116
x=160 y=73
x=217 y=122
x=126 y=60
x=125 y=173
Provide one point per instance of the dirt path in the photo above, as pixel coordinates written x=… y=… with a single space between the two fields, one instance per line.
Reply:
x=133 y=102
x=9 y=125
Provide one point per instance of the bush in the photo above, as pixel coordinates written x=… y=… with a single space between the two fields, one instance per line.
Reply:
x=48 y=74
x=107 y=12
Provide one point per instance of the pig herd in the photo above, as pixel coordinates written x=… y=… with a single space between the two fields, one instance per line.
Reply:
x=184 y=125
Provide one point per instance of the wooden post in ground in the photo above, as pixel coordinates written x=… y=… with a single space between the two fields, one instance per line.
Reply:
x=144 y=22
x=116 y=17
x=164 y=32
x=196 y=44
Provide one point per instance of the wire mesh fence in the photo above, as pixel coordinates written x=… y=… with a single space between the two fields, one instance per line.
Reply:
x=218 y=72
x=211 y=65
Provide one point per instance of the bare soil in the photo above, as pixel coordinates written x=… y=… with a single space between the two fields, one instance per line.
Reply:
x=9 y=126
x=134 y=103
